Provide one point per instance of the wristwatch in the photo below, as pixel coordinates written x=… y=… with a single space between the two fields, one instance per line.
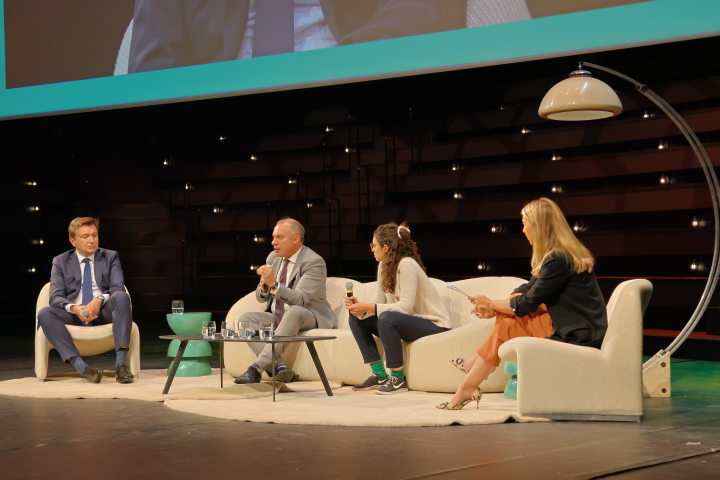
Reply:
x=276 y=285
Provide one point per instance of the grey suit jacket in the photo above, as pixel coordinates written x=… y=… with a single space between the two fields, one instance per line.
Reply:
x=66 y=277
x=305 y=286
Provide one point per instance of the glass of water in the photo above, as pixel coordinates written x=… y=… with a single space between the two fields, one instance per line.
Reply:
x=266 y=330
x=227 y=329
x=178 y=307
x=208 y=328
x=246 y=331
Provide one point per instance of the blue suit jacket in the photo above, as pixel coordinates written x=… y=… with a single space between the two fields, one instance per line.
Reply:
x=66 y=277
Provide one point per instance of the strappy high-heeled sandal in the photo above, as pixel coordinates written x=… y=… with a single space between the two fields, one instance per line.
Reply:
x=458 y=363
x=477 y=395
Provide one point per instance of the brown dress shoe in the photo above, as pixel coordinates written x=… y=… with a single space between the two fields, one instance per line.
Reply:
x=123 y=375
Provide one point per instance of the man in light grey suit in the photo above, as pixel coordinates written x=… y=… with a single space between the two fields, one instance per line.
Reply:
x=87 y=288
x=292 y=284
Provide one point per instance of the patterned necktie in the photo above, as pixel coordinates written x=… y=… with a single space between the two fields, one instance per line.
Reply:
x=87 y=295
x=274 y=27
x=279 y=304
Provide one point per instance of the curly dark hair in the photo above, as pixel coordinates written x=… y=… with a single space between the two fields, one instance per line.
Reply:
x=399 y=247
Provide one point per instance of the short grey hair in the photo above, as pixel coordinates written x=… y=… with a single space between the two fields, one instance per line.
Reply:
x=296 y=227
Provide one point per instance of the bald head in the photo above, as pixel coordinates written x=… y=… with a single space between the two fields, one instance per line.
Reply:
x=288 y=237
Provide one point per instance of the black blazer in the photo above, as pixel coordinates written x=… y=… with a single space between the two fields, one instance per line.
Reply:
x=574 y=301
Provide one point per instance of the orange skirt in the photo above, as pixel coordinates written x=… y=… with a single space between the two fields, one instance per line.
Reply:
x=536 y=324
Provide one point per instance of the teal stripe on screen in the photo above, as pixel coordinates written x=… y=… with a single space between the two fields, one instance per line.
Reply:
x=637 y=24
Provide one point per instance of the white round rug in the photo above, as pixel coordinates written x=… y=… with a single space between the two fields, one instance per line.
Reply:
x=356 y=409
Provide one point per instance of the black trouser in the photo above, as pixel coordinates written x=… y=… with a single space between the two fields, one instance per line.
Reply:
x=392 y=328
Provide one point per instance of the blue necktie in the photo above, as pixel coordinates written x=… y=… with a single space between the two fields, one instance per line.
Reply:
x=87 y=283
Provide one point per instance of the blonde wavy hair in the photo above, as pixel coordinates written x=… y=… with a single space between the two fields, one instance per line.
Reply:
x=553 y=234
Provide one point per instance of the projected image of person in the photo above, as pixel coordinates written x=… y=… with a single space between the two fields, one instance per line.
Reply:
x=407 y=307
x=177 y=33
x=562 y=301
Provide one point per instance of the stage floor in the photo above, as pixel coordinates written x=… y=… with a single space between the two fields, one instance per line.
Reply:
x=132 y=439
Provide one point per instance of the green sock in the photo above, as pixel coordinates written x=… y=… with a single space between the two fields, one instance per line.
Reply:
x=378 y=369
x=398 y=373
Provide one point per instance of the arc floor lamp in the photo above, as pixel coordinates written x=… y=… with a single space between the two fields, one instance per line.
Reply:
x=582 y=97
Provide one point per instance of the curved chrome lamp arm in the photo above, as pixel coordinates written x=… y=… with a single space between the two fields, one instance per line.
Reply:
x=709 y=171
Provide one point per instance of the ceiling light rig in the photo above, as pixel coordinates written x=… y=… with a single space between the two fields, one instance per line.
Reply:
x=496 y=228
x=253 y=158
x=663 y=145
x=695 y=222
x=664 y=180
x=481 y=266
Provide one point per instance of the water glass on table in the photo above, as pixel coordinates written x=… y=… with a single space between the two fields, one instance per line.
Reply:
x=266 y=330
x=227 y=329
x=208 y=328
x=178 y=307
x=246 y=331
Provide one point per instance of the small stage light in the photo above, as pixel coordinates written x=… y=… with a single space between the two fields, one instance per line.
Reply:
x=253 y=157
x=554 y=188
x=216 y=210
x=222 y=138
x=456 y=166
x=664 y=180
x=41 y=241
x=646 y=115
x=695 y=222
x=496 y=228
x=458 y=195
x=481 y=266
x=37 y=208
x=524 y=130
x=255 y=239
x=347 y=149
x=694 y=265
x=662 y=145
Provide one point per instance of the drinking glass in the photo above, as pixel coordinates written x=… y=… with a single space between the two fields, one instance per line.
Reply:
x=247 y=332
x=266 y=330
x=208 y=328
x=178 y=307
x=227 y=329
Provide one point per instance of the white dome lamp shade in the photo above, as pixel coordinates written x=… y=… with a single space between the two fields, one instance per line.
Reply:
x=580 y=97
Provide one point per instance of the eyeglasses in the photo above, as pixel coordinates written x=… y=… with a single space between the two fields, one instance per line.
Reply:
x=372 y=247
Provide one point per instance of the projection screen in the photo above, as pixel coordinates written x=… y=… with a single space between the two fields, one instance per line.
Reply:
x=76 y=55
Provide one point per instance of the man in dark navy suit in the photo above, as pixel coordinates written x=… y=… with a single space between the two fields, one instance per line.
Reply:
x=87 y=288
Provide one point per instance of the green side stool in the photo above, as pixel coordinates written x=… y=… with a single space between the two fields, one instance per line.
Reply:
x=193 y=363
x=511 y=385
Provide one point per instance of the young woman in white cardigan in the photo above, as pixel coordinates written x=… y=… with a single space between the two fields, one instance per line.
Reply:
x=407 y=307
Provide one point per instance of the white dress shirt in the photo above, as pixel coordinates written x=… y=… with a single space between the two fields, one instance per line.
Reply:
x=96 y=290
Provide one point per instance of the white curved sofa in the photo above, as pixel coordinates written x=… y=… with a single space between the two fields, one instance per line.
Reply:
x=427 y=361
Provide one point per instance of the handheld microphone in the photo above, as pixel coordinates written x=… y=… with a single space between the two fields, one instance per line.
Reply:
x=349 y=289
x=85 y=313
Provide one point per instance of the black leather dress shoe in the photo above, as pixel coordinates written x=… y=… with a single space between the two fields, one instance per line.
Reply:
x=92 y=375
x=123 y=375
x=285 y=375
x=250 y=376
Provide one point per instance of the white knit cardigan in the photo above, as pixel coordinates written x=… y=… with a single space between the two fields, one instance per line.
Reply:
x=414 y=295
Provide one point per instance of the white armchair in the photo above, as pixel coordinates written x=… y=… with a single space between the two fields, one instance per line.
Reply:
x=88 y=340
x=560 y=381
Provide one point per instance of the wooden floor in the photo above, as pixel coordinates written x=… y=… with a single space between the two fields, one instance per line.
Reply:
x=125 y=439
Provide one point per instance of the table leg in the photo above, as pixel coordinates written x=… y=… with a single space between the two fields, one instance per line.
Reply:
x=318 y=365
x=221 y=363
x=272 y=348
x=175 y=365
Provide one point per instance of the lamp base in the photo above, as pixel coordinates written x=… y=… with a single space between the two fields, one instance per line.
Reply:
x=656 y=378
